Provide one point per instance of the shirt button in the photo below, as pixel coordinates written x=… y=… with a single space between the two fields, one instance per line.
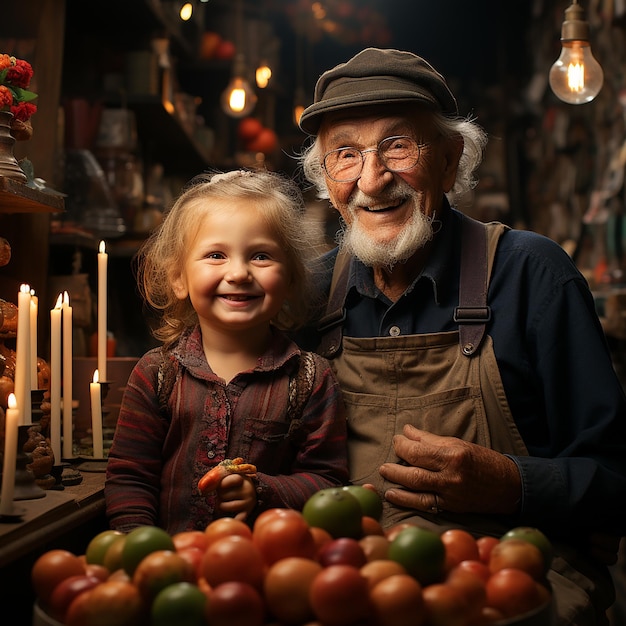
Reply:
x=394 y=331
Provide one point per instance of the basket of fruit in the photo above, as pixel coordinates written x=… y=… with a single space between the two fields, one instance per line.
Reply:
x=331 y=564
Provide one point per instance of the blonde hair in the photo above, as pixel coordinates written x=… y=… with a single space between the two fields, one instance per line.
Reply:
x=163 y=254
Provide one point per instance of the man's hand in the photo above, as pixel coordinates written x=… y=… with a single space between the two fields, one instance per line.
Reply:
x=463 y=476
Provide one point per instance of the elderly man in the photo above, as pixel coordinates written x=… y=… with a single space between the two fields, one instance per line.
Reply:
x=479 y=387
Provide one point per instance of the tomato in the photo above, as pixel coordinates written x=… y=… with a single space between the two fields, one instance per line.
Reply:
x=235 y=604
x=534 y=536
x=460 y=546
x=113 y=556
x=375 y=547
x=158 y=570
x=371 y=503
x=51 y=568
x=140 y=542
x=422 y=553
x=472 y=586
x=320 y=537
x=393 y=531
x=337 y=595
x=397 y=601
x=233 y=558
x=226 y=527
x=444 y=605
x=98 y=546
x=66 y=591
x=99 y=571
x=379 y=569
x=342 y=550
x=284 y=535
x=475 y=567
x=111 y=603
x=485 y=546
x=190 y=538
x=519 y=554
x=335 y=510
x=286 y=589
x=512 y=592
x=193 y=556
x=249 y=128
x=180 y=603
x=370 y=526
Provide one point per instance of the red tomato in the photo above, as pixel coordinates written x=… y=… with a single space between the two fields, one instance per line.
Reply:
x=321 y=537
x=286 y=589
x=397 y=601
x=460 y=546
x=111 y=603
x=283 y=535
x=343 y=550
x=379 y=569
x=99 y=571
x=444 y=605
x=65 y=592
x=235 y=604
x=512 y=592
x=193 y=556
x=337 y=595
x=477 y=568
x=371 y=526
x=190 y=538
x=226 y=527
x=160 y=569
x=518 y=554
x=532 y=535
x=233 y=558
x=375 y=547
x=485 y=546
x=472 y=587
x=51 y=568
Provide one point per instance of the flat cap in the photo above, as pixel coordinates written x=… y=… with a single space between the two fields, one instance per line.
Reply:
x=378 y=76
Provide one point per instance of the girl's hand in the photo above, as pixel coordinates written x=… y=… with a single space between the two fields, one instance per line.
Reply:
x=236 y=494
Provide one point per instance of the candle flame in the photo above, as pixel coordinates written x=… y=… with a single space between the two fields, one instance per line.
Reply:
x=66 y=298
x=12 y=402
x=25 y=288
x=96 y=376
x=101 y=247
x=59 y=301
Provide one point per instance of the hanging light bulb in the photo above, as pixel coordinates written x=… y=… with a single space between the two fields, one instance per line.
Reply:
x=263 y=75
x=576 y=77
x=186 y=11
x=238 y=99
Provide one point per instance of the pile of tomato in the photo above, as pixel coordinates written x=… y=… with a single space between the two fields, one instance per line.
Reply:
x=331 y=564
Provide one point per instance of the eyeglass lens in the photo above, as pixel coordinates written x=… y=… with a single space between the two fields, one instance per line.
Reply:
x=395 y=153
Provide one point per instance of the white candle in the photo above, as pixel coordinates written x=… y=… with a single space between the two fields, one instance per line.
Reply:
x=11 y=418
x=68 y=452
x=22 y=356
x=96 y=416
x=34 y=312
x=55 y=380
x=102 y=311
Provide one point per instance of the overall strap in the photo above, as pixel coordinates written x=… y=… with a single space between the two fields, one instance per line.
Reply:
x=330 y=326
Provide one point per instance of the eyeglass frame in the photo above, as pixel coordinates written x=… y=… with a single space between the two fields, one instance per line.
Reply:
x=419 y=146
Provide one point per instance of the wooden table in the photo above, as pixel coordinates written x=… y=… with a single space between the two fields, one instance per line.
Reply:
x=65 y=519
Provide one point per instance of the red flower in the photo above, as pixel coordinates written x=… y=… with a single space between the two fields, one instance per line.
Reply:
x=20 y=74
x=23 y=110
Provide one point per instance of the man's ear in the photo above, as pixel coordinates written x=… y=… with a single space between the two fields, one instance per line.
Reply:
x=452 y=155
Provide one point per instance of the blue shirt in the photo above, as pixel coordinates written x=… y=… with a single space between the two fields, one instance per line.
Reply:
x=564 y=394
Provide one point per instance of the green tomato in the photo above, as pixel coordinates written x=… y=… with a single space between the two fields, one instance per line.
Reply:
x=142 y=541
x=371 y=503
x=534 y=536
x=422 y=553
x=335 y=510
x=99 y=544
x=180 y=603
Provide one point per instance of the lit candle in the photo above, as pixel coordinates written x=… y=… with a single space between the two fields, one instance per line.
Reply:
x=96 y=416
x=34 y=312
x=11 y=418
x=22 y=356
x=55 y=380
x=67 y=378
x=102 y=311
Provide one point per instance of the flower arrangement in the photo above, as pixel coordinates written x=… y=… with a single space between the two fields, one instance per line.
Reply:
x=15 y=77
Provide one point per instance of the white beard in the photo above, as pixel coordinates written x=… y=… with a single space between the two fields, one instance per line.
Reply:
x=375 y=253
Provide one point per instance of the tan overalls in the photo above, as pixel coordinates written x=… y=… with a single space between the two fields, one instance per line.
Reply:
x=447 y=383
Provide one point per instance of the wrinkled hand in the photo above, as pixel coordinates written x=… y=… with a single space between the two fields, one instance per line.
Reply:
x=236 y=494
x=464 y=477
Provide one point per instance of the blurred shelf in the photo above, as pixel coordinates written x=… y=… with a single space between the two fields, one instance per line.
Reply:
x=16 y=197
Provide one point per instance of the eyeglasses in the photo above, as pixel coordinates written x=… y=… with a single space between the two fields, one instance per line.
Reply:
x=397 y=154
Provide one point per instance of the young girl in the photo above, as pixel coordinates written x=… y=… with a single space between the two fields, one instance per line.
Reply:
x=227 y=269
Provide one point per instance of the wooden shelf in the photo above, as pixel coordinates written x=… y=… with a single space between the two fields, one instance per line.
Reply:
x=16 y=197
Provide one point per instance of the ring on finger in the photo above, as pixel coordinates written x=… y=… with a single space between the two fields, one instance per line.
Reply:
x=435 y=507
